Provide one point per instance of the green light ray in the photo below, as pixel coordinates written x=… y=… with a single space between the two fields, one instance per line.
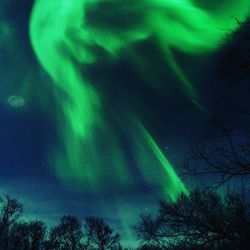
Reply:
x=155 y=167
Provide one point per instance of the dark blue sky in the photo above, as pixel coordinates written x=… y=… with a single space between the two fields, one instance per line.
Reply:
x=28 y=133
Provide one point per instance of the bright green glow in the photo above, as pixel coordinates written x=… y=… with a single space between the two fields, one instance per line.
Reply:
x=67 y=35
x=151 y=158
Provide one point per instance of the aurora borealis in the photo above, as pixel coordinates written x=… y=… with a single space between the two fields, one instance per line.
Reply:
x=101 y=73
x=65 y=36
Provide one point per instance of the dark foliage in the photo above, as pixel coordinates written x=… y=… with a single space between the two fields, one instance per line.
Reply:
x=235 y=63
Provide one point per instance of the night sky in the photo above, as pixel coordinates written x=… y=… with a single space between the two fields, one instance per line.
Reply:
x=137 y=72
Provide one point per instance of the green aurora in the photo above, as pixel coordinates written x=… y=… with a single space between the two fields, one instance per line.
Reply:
x=69 y=36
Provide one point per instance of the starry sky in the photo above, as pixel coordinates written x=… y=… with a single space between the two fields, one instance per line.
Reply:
x=30 y=138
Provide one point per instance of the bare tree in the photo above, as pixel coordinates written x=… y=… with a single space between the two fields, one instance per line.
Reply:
x=67 y=235
x=223 y=154
x=148 y=231
x=202 y=220
x=100 y=235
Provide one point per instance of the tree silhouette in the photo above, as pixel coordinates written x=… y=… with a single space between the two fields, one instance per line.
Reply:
x=10 y=212
x=202 y=220
x=65 y=236
x=37 y=231
x=25 y=236
x=223 y=152
x=148 y=231
x=19 y=237
x=235 y=53
x=100 y=235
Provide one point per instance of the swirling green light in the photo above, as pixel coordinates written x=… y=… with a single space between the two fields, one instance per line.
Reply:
x=68 y=35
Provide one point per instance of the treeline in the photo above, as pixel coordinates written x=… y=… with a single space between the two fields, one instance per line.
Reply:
x=69 y=234
x=201 y=220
